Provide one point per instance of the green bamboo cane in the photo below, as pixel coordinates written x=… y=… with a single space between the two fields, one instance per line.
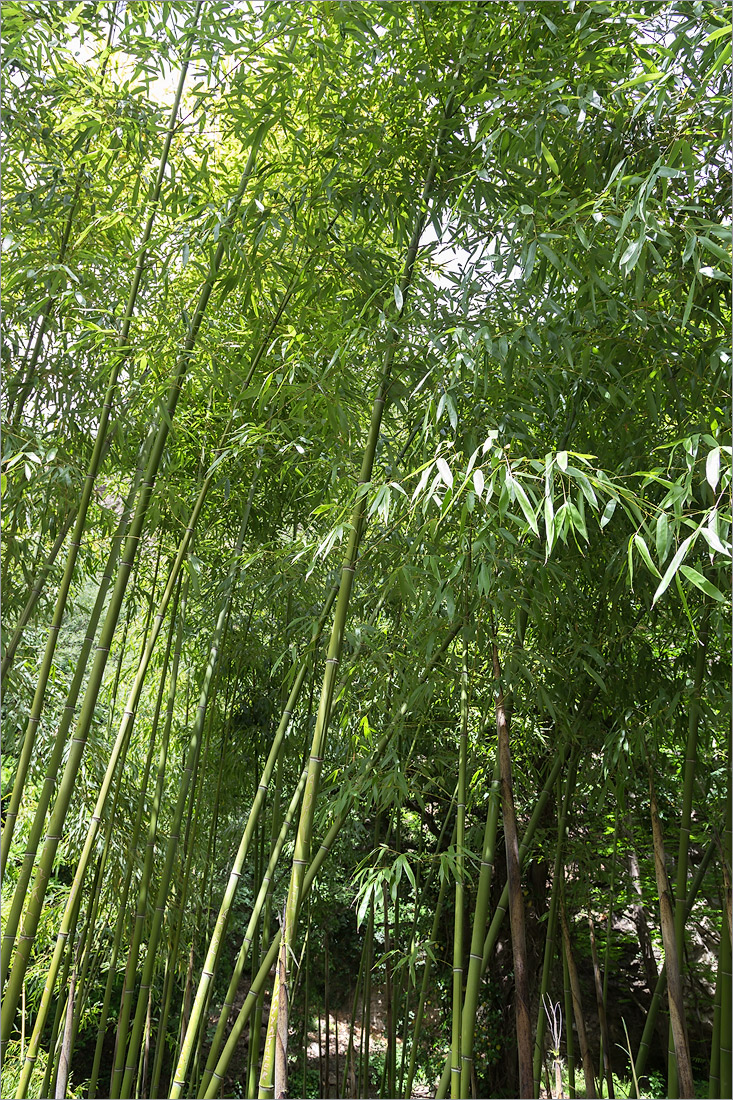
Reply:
x=365 y=772
x=481 y=909
x=197 y=799
x=671 y=956
x=26 y=870
x=196 y=802
x=575 y=990
x=208 y=866
x=133 y=538
x=201 y=805
x=128 y=988
x=305 y=826
x=119 y=751
x=209 y=968
x=264 y=932
x=90 y=927
x=725 y=1009
x=265 y=892
x=30 y=922
x=97 y=885
x=177 y=921
x=549 y=954
x=349 y=1059
x=262 y=975
x=688 y=785
x=366 y=1014
x=425 y=982
x=501 y=908
x=122 y=905
x=609 y=919
x=569 y=1041
x=651 y=1019
x=455 y=1067
x=714 y=1077
x=172 y=845
x=119 y=355
x=54 y=1047
x=516 y=902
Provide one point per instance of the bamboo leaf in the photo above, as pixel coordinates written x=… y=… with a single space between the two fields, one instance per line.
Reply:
x=641 y=546
x=445 y=473
x=702 y=583
x=673 y=567
x=712 y=468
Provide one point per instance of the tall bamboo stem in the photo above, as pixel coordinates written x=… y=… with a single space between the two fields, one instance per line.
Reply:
x=557 y=876
x=516 y=902
x=49 y=784
x=585 y=1052
x=674 y=980
x=455 y=1068
x=119 y=355
x=688 y=786
x=172 y=844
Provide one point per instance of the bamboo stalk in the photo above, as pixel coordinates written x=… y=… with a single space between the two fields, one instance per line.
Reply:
x=122 y=906
x=569 y=1041
x=688 y=785
x=128 y=988
x=30 y=922
x=119 y=355
x=585 y=1052
x=661 y=984
x=172 y=844
x=212 y=956
x=549 y=953
x=455 y=1068
x=726 y=1083
x=516 y=902
x=264 y=893
x=424 y=986
x=603 y=1022
x=501 y=908
x=481 y=909
x=26 y=870
x=674 y=980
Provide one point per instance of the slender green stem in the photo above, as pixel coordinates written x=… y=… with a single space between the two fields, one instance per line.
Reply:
x=455 y=1068
x=557 y=876
x=119 y=355
x=173 y=837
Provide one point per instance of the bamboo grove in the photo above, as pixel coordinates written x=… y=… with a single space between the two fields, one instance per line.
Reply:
x=366 y=523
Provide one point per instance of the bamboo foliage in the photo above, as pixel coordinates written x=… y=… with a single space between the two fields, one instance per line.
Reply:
x=386 y=288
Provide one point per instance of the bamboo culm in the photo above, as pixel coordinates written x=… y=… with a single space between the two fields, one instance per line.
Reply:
x=557 y=876
x=30 y=922
x=172 y=843
x=209 y=968
x=49 y=783
x=501 y=908
x=131 y=545
x=118 y=357
x=455 y=1068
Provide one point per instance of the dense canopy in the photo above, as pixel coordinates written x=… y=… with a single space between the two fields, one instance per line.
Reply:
x=366 y=470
